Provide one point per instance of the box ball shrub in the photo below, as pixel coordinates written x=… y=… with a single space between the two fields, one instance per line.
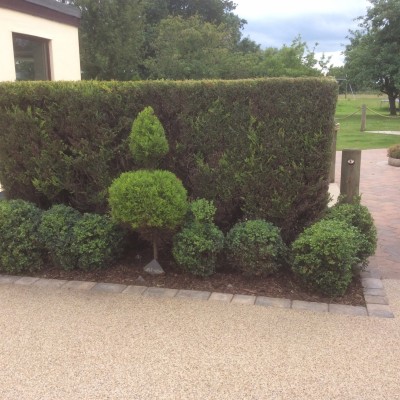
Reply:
x=197 y=247
x=359 y=217
x=324 y=255
x=151 y=202
x=20 y=246
x=56 y=232
x=96 y=241
x=255 y=247
x=147 y=140
x=394 y=151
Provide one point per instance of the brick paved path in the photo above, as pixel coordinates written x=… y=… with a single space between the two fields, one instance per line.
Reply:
x=380 y=190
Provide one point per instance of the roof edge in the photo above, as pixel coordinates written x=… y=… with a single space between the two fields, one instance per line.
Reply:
x=48 y=9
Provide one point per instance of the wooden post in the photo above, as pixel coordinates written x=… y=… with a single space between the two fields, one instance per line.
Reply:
x=363 y=118
x=350 y=174
x=333 y=160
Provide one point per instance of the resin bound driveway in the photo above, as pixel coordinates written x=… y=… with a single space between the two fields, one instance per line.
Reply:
x=71 y=344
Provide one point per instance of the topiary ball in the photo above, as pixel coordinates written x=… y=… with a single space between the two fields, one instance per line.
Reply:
x=148 y=200
x=20 y=245
x=96 y=241
x=254 y=247
x=56 y=232
x=324 y=255
x=197 y=247
x=359 y=217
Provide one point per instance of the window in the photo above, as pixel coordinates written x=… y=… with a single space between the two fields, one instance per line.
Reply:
x=31 y=57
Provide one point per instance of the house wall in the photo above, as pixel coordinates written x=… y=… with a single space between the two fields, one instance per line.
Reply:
x=63 y=46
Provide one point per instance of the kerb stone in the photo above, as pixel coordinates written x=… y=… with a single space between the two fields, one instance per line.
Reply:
x=109 y=287
x=348 y=310
x=372 y=283
x=160 y=292
x=223 y=297
x=136 y=290
x=379 y=310
x=243 y=299
x=273 y=302
x=309 y=306
x=193 y=294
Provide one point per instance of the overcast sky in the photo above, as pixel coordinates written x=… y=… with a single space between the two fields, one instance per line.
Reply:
x=273 y=23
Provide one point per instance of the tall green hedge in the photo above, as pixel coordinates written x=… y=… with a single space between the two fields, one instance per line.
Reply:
x=257 y=148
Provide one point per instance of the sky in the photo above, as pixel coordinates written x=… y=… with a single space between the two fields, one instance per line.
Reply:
x=273 y=23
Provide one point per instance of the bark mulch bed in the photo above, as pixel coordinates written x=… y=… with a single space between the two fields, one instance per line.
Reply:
x=129 y=271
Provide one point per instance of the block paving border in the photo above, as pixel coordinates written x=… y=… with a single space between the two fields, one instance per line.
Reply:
x=377 y=304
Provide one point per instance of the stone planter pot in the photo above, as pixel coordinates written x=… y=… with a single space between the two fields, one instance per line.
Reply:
x=394 y=162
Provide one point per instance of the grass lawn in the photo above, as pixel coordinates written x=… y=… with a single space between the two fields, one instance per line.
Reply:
x=349 y=135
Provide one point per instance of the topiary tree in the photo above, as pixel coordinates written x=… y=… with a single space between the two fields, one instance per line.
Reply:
x=147 y=140
x=197 y=246
x=255 y=247
x=151 y=202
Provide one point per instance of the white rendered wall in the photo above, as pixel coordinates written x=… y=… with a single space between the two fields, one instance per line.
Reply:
x=64 y=44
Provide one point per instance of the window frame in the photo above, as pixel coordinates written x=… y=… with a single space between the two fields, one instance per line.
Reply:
x=46 y=44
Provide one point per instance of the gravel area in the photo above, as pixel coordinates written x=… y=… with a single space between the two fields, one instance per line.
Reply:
x=66 y=344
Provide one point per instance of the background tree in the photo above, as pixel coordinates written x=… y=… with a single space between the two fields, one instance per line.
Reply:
x=179 y=39
x=190 y=49
x=373 y=55
x=294 y=60
x=110 y=38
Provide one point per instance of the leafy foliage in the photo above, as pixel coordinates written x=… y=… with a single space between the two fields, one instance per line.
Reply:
x=373 y=55
x=197 y=247
x=255 y=247
x=147 y=140
x=74 y=240
x=190 y=49
x=97 y=241
x=111 y=38
x=324 y=255
x=394 y=151
x=56 y=232
x=358 y=216
x=20 y=246
x=180 y=39
x=148 y=200
x=202 y=211
x=230 y=141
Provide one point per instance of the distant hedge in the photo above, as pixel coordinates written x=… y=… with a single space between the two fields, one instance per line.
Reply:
x=257 y=148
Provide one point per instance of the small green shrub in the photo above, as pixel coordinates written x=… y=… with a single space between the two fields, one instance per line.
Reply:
x=96 y=241
x=394 y=151
x=20 y=246
x=56 y=232
x=151 y=202
x=197 y=247
x=255 y=247
x=359 y=217
x=148 y=199
x=202 y=211
x=147 y=140
x=324 y=255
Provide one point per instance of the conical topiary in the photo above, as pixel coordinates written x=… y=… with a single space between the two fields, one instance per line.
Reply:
x=147 y=140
